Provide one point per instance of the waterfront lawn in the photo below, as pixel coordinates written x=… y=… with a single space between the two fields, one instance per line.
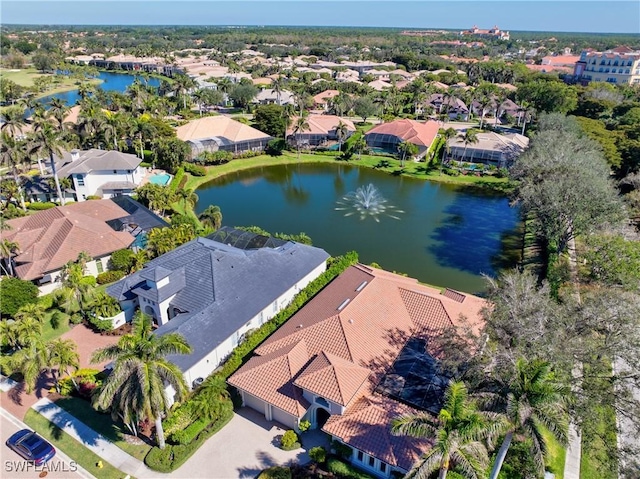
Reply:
x=72 y=448
x=25 y=77
x=103 y=424
x=411 y=169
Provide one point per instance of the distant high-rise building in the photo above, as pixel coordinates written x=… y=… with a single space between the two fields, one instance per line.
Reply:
x=492 y=32
x=620 y=65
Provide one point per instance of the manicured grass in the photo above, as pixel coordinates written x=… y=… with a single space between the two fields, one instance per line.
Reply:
x=598 y=440
x=103 y=424
x=72 y=448
x=48 y=333
x=556 y=456
x=411 y=169
x=25 y=77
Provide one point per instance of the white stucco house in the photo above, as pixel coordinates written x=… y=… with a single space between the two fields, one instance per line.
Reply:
x=102 y=173
x=214 y=290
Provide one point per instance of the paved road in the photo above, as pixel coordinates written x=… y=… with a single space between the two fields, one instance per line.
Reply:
x=13 y=466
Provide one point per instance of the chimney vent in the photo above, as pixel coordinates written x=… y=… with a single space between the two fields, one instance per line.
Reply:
x=75 y=155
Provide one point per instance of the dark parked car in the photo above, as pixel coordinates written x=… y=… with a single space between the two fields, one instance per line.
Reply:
x=31 y=447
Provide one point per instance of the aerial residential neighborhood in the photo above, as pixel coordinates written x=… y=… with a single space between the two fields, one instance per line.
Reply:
x=240 y=247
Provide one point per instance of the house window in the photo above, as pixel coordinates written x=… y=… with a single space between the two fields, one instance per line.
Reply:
x=360 y=456
x=115 y=172
x=80 y=180
x=383 y=467
x=99 y=266
x=372 y=461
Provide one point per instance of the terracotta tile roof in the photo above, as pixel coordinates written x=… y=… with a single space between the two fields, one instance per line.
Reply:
x=323 y=97
x=367 y=426
x=421 y=134
x=220 y=126
x=332 y=377
x=262 y=372
x=51 y=238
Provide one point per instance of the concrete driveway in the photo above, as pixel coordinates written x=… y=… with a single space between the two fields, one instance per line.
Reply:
x=243 y=448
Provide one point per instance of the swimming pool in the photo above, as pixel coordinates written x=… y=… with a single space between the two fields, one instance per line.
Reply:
x=160 y=179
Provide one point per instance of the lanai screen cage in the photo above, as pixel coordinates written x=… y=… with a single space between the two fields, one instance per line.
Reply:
x=244 y=239
x=416 y=378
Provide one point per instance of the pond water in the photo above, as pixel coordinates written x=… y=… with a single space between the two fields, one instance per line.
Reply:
x=440 y=234
x=110 y=82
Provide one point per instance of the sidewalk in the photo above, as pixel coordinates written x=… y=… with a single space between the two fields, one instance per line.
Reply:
x=19 y=424
x=94 y=441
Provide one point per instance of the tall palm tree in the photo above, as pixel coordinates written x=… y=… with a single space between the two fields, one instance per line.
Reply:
x=46 y=140
x=301 y=125
x=531 y=400
x=63 y=355
x=135 y=388
x=342 y=131
x=13 y=120
x=187 y=197
x=458 y=430
x=447 y=134
x=30 y=361
x=277 y=86
x=470 y=137
x=211 y=217
x=78 y=291
x=58 y=110
x=406 y=148
x=31 y=310
x=360 y=144
x=13 y=153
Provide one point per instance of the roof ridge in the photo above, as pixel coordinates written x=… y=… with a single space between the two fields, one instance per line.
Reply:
x=344 y=335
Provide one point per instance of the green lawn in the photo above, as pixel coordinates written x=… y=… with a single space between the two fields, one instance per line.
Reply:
x=72 y=448
x=24 y=77
x=555 y=457
x=412 y=169
x=48 y=333
x=598 y=440
x=103 y=424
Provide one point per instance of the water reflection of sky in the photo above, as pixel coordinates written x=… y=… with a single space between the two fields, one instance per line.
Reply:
x=470 y=233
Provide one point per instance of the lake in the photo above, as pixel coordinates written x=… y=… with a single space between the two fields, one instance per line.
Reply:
x=444 y=235
x=110 y=82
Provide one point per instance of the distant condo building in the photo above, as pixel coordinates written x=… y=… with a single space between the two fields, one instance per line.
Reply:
x=620 y=65
x=492 y=32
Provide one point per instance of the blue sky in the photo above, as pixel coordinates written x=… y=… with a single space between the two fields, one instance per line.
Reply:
x=577 y=15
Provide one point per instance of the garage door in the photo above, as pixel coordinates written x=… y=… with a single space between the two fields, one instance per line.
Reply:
x=283 y=418
x=254 y=403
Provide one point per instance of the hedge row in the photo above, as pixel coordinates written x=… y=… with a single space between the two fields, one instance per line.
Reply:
x=188 y=434
x=39 y=206
x=195 y=170
x=172 y=457
x=243 y=351
x=177 y=178
x=110 y=276
x=344 y=470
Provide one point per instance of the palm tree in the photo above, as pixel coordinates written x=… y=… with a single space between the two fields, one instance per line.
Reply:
x=31 y=310
x=8 y=249
x=187 y=197
x=212 y=398
x=360 y=144
x=58 y=110
x=211 y=217
x=135 y=388
x=30 y=361
x=104 y=305
x=13 y=120
x=458 y=431
x=13 y=153
x=447 y=135
x=301 y=125
x=77 y=291
x=63 y=355
x=342 y=131
x=406 y=149
x=46 y=140
x=470 y=137
x=277 y=85
x=531 y=400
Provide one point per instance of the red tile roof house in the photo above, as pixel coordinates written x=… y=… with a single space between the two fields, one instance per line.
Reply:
x=387 y=136
x=322 y=100
x=49 y=239
x=322 y=130
x=334 y=363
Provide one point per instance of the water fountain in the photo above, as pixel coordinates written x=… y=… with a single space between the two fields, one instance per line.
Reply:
x=367 y=201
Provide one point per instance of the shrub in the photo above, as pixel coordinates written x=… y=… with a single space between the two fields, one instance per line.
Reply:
x=344 y=470
x=179 y=419
x=195 y=170
x=121 y=260
x=276 y=472
x=341 y=449
x=275 y=147
x=110 y=276
x=289 y=441
x=187 y=435
x=38 y=206
x=172 y=457
x=215 y=157
x=16 y=293
x=304 y=426
x=318 y=454
x=101 y=324
x=88 y=281
x=93 y=197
